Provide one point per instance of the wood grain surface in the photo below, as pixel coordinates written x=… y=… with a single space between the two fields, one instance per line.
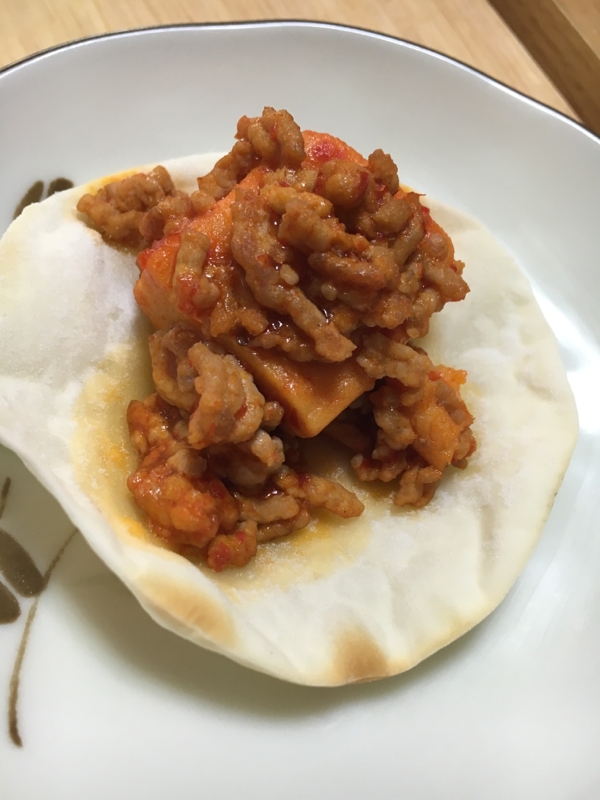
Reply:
x=564 y=37
x=469 y=30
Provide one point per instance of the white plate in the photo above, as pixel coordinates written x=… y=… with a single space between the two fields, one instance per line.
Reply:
x=112 y=706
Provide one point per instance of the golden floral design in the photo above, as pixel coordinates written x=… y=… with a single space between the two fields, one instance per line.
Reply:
x=20 y=575
x=35 y=193
x=20 y=572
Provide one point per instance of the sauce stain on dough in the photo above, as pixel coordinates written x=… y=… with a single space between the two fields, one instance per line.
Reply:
x=326 y=545
x=101 y=453
x=103 y=458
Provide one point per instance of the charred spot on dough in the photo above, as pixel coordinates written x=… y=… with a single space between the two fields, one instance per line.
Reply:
x=179 y=606
x=358 y=658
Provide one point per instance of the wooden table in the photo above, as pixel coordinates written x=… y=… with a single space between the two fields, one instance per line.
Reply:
x=470 y=30
x=564 y=37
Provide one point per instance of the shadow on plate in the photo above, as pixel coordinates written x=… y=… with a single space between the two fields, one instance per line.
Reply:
x=130 y=635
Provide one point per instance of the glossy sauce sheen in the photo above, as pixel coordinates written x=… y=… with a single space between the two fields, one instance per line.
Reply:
x=312 y=394
x=103 y=458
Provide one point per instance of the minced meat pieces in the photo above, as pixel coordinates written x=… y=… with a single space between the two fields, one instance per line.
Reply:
x=209 y=472
x=255 y=247
x=421 y=430
x=234 y=549
x=184 y=503
x=293 y=250
x=319 y=492
x=230 y=407
x=275 y=138
x=118 y=208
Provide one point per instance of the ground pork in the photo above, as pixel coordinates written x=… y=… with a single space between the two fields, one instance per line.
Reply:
x=316 y=257
x=117 y=209
x=210 y=476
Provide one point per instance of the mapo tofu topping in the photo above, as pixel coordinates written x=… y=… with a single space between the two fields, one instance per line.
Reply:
x=286 y=293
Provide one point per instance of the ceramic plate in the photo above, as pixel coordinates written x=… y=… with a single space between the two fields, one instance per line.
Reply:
x=107 y=704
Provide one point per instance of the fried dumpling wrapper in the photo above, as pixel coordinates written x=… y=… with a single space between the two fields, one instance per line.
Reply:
x=340 y=601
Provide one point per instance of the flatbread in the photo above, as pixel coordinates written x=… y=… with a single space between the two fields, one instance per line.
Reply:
x=343 y=600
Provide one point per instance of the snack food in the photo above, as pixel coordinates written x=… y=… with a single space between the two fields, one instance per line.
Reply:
x=285 y=290
x=367 y=598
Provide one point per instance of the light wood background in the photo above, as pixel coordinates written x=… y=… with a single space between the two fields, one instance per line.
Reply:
x=470 y=30
x=564 y=38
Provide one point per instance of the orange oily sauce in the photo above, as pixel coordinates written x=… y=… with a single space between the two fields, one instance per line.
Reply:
x=103 y=459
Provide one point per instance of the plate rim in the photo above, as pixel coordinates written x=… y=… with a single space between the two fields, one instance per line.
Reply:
x=292 y=22
x=75 y=43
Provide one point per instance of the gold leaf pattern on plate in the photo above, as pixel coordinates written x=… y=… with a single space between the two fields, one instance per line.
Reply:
x=36 y=191
x=19 y=569
x=9 y=606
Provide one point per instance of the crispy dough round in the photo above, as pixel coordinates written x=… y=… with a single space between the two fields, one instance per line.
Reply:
x=341 y=601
